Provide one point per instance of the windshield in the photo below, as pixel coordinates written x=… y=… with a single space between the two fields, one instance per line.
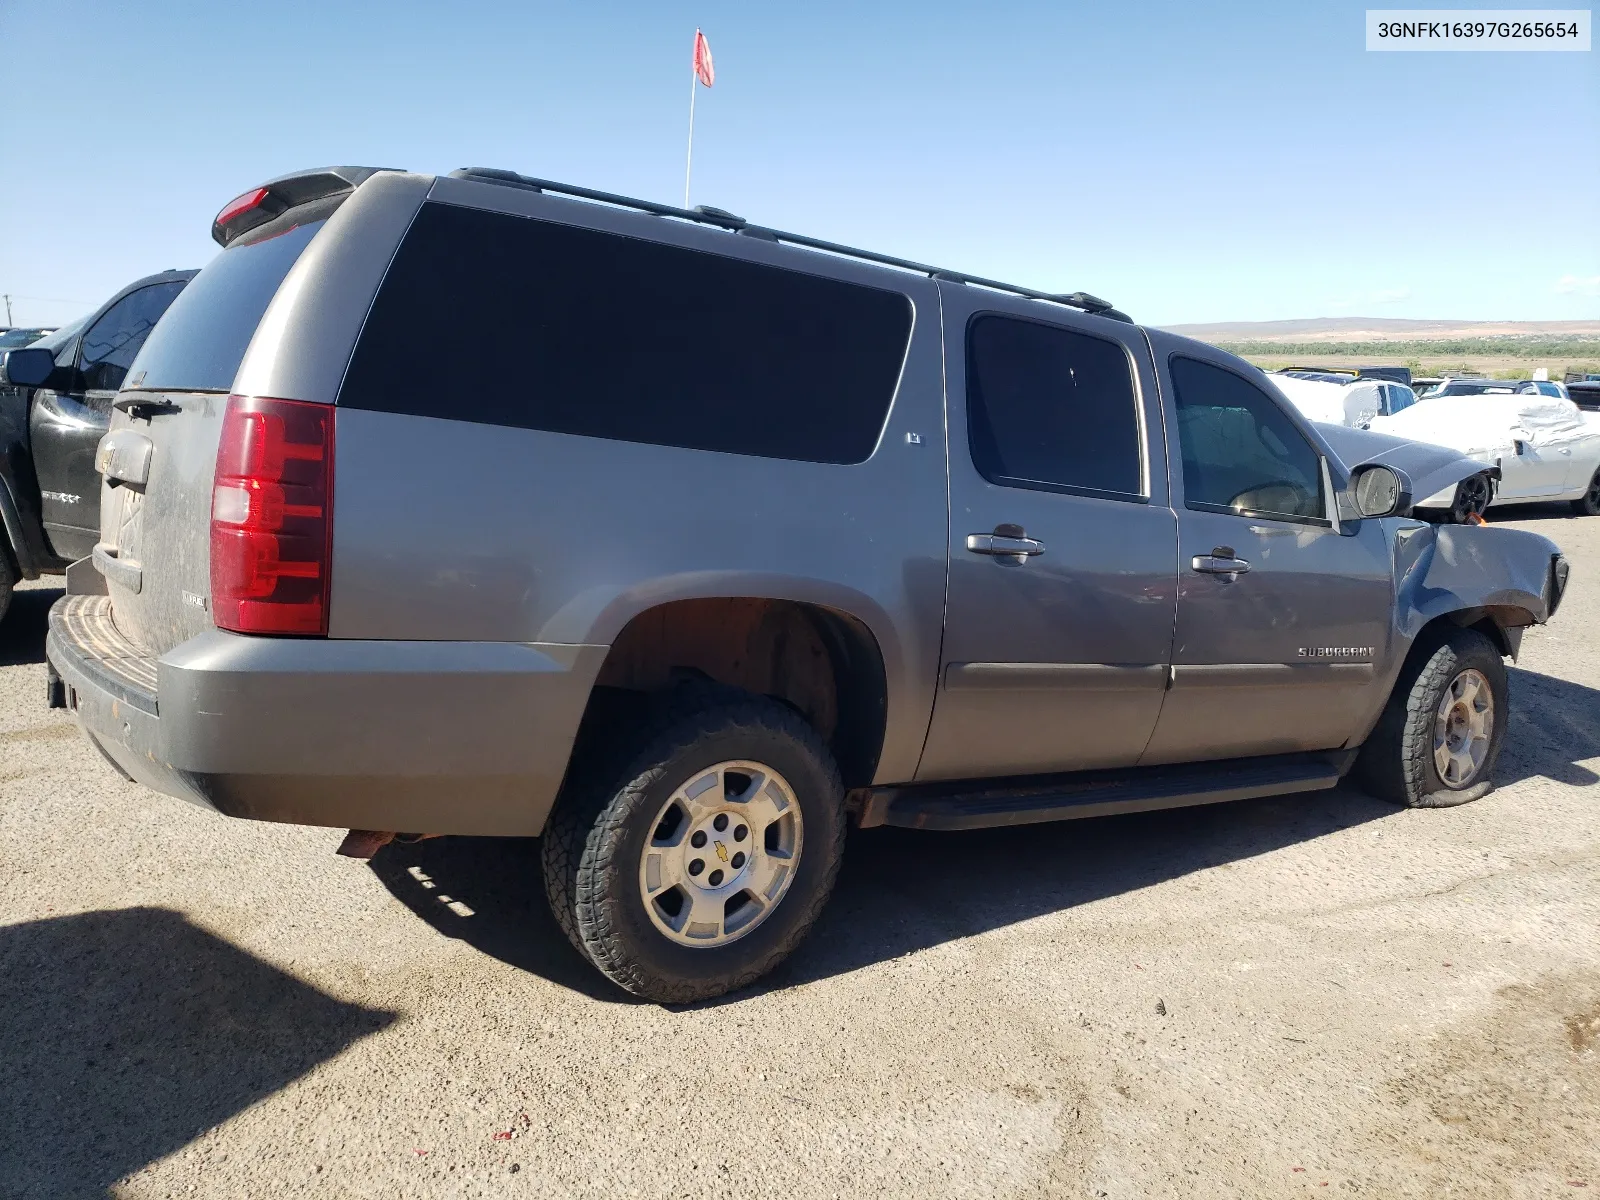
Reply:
x=12 y=338
x=1475 y=387
x=1321 y=376
x=200 y=342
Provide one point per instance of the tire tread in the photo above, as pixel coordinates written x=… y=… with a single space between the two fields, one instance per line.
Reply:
x=1395 y=761
x=586 y=830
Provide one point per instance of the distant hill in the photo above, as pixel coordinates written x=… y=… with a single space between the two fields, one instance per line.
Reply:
x=1380 y=329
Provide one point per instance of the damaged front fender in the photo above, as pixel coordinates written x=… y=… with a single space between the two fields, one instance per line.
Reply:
x=1468 y=572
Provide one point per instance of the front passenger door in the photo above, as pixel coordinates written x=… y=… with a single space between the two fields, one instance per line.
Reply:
x=1540 y=463
x=1283 y=616
x=66 y=426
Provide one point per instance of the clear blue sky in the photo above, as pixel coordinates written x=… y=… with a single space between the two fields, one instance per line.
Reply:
x=1189 y=162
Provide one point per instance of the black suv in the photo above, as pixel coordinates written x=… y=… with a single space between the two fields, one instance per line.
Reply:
x=49 y=491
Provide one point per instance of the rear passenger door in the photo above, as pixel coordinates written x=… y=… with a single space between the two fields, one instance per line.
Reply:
x=1062 y=545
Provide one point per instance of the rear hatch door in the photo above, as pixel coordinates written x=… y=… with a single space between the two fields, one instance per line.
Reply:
x=159 y=456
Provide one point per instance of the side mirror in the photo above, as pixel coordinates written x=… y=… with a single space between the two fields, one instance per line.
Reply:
x=1379 y=491
x=26 y=367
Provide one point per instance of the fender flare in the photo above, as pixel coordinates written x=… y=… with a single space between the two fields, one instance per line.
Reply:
x=25 y=537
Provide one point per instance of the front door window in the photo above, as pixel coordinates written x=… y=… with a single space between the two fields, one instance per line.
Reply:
x=110 y=346
x=1241 y=453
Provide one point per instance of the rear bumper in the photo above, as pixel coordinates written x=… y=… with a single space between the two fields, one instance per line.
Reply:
x=424 y=737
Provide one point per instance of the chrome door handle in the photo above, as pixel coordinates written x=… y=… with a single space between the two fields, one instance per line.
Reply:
x=1002 y=546
x=1219 y=564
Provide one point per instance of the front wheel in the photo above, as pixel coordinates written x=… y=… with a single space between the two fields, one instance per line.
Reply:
x=1473 y=497
x=1588 y=505
x=1436 y=744
x=699 y=860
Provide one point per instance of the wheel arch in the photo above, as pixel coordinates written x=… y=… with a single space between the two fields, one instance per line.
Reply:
x=825 y=663
x=20 y=532
x=1502 y=624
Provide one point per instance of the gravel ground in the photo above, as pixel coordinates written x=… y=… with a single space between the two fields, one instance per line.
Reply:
x=1310 y=994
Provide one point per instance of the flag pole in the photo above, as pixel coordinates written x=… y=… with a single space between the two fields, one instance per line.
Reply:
x=688 y=165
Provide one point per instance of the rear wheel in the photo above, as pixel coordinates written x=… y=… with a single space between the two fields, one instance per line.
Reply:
x=1588 y=505
x=1436 y=744
x=700 y=858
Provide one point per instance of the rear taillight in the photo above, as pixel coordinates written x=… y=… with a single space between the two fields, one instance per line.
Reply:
x=272 y=517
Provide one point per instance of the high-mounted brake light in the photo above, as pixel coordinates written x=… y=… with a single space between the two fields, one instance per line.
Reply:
x=241 y=204
x=255 y=208
x=272 y=517
x=245 y=212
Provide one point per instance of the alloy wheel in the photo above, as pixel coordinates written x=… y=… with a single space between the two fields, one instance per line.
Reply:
x=1463 y=728
x=1472 y=498
x=722 y=853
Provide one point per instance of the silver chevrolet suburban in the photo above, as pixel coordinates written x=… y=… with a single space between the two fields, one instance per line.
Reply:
x=698 y=541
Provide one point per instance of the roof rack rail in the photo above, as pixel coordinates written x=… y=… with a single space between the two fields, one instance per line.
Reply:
x=705 y=215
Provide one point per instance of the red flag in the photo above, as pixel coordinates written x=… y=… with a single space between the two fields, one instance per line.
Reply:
x=702 y=60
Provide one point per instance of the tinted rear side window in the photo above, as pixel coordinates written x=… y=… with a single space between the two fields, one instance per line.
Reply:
x=606 y=336
x=1051 y=409
x=201 y=341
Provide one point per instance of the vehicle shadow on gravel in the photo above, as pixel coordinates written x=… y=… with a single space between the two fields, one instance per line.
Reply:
x=905 y=890
x=1555 y=724
x=1557 y=510
x=127 y=1034
x=489 y=892
x=25 y=624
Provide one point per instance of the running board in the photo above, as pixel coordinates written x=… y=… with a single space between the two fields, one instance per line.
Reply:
x=1101 y=793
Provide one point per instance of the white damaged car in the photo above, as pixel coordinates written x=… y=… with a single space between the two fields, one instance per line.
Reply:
x=1354 y=401
x=1535 y=447
x=1544 y=447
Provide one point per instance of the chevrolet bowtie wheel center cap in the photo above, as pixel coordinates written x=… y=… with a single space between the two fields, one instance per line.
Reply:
x=721 y=854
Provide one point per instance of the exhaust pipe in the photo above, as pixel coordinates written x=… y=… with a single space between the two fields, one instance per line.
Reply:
x=364 y=843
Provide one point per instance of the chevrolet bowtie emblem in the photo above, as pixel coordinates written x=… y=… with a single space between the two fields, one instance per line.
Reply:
x=722 y=852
